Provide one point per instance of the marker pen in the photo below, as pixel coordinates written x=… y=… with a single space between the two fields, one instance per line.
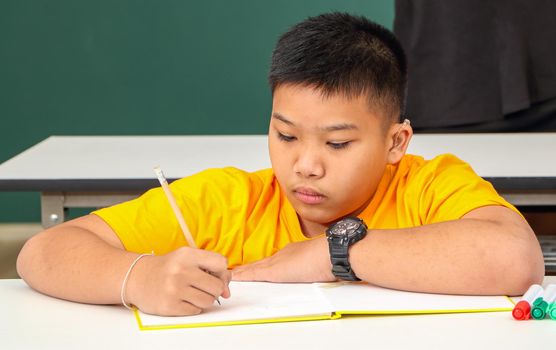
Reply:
x=538 y=312
x=522 y=310
x=550 y=298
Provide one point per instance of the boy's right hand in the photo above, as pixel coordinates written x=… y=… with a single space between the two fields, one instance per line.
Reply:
x=183 y=282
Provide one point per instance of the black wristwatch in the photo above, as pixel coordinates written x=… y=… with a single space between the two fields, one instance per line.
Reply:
x=341 y=235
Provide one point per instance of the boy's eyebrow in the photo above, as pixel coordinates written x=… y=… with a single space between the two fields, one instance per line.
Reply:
x=342 y=126
x=335 y=127
x=282 y=118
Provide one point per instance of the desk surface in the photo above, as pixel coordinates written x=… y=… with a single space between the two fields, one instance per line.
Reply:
x=29 y=320
x=61 y=163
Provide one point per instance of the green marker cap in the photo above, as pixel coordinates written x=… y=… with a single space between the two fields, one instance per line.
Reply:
x=551 y=311
x=539 y=309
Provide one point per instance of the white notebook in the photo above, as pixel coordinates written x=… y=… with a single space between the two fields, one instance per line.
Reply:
x=263 y=302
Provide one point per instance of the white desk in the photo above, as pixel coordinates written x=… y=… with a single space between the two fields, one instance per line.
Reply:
x=96 y=171
x=29 y=320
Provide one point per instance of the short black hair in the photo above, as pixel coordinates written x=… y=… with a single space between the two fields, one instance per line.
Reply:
x=339 y=53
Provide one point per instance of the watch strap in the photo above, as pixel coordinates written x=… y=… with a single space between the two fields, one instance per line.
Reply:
x=339 y=257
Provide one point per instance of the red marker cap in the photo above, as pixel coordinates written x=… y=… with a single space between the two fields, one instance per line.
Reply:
x=522 y=311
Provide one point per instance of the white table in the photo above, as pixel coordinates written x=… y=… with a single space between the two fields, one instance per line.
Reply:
x=29 y=320
x=96 y=171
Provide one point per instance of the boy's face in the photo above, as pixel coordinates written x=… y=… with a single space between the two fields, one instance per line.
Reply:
x=328 y=153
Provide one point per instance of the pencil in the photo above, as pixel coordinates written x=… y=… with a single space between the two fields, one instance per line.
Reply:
x=175 y=208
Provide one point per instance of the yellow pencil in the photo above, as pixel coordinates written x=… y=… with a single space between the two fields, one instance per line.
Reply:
x=175 y=208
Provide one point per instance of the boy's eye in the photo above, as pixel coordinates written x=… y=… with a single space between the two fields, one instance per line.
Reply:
x=338 y=145
x=285 y=138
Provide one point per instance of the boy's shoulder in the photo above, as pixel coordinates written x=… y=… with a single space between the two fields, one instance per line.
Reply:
x=447 y=166
x=441 y=189
x=226 y=180
x=227 y=174
x=414 y=163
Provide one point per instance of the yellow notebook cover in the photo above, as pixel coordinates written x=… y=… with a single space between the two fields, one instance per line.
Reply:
x=263 y=302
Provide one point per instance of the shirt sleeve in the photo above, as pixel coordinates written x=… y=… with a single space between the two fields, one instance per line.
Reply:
x=211 y=202
x=144 y=224
x=450 y=189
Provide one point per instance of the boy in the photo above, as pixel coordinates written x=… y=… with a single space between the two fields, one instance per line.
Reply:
x=337 y=149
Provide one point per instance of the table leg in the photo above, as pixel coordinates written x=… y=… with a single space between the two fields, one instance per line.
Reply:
x=53 y=211
x=55 y=205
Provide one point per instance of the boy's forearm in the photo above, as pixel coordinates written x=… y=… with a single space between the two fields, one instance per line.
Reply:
x=73 y=263
x=467 y=256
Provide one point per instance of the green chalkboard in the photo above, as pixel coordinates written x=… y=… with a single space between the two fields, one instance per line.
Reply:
x=120 y=67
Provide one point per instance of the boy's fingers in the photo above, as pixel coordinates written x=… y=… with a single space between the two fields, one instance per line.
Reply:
x=207 y=260
x=216 y=265
x=185 y=308
x=199 y=298
x=226 y=277
x=209 y=264
x=208 y=283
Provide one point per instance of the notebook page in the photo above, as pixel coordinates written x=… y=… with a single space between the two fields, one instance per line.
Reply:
x=366 y=298
x=255 y=301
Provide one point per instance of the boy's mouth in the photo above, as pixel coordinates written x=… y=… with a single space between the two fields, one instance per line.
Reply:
x=308 y=195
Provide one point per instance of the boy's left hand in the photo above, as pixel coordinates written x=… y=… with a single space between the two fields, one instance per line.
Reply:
x=307 y=261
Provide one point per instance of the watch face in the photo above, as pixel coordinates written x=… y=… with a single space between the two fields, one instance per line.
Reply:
x=345 y=227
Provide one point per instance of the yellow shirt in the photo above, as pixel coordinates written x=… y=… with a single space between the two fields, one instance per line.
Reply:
x=246 y=217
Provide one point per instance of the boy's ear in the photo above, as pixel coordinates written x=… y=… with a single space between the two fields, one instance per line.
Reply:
x=398 y=141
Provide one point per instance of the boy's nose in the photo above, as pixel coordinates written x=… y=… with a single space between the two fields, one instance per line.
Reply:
x=309 y=165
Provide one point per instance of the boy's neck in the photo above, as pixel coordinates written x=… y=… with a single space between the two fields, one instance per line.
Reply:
x=311 y=229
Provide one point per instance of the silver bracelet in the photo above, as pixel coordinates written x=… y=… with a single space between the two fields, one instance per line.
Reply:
x=122 y=292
